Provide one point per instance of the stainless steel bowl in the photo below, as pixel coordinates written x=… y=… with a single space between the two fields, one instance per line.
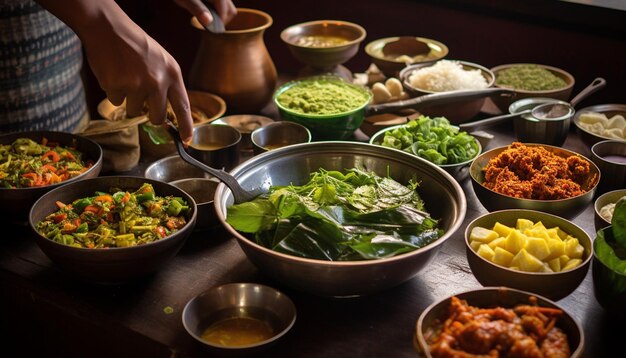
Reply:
x=216 y=145
x=202 y=190
x=279 y=134
x=173 y=168
x=610 y=197
x=610 y=157
x=442 y=194
x=529 y=129
x=609 y=110
x=490 y=297
x=239 y=300
x=567 y=208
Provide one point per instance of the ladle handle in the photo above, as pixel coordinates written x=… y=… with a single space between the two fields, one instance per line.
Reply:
x=490 y=121
x=435 y=99
x=240 y=195
x=595 y=85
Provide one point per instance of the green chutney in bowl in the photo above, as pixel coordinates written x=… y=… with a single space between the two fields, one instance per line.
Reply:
x=331 y=108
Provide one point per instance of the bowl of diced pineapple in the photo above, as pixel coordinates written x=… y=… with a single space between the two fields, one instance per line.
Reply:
x=528 y=250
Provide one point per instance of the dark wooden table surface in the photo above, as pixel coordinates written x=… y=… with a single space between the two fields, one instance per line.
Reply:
x=46 y=312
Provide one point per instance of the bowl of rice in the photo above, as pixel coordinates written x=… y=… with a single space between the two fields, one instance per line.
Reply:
x=531 y=80
x=447 y=76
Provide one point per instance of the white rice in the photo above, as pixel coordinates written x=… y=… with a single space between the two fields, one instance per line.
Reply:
x=446 y=75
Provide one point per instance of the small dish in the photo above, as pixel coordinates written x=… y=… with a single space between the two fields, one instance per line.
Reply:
x=392 y=54
x=216 y=145
x=609 y=110
x=279 y=134
x=269 y=309
x=610 y=157
x=202 y=190
x=610 y=197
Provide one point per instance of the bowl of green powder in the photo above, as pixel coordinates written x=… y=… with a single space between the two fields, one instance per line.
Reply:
x=531 y=80
x=330 y=107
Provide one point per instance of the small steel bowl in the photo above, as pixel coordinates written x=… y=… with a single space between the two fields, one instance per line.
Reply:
x=590 y=138
x=566 y=208
x=202 y=190
x=279 y=134
x=610 y=157
x=554 y=285
x=216 y=145
x=490 y=297
x=239 y=300
x=460 y=171
x=386 y=52
x=562 y=94
x=456 y=112
x=245 y=124
x=610 y=197
x=173 y=168
x=529 y=129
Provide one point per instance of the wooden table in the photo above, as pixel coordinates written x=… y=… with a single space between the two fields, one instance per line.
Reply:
x=50 y=313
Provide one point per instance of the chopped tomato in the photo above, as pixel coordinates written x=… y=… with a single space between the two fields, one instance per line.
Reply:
x=48 y=168
x=160 y=230
x=126 y=197
x=104 y=198
x=93 y=209
x=69 y=155
x=68 y=228
x=59 y=217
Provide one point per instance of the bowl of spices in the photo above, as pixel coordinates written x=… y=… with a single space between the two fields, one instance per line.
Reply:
x=531 y=80
x=535 y=177
x=239 y=318
x=331 y=108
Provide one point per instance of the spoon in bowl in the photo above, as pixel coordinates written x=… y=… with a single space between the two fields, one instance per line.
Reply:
x=240 y=194
x=545 y=111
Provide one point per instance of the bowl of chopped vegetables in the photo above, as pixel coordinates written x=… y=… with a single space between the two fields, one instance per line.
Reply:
x=535 y=177
x=32 y=163
x=435 y=140
x=493 y=321
x=531 y=80
x=528 y=250
x=342 y=218
x=112 y=229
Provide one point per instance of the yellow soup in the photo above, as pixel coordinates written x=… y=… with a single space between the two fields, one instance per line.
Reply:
x=321 y=41
x=208 y=146
x=237 y=331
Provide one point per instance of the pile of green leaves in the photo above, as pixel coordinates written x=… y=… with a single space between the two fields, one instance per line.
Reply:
x=354 y=215
x=433 y=139
x=610 y=243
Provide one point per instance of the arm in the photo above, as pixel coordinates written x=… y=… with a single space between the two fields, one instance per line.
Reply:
x=126 y=61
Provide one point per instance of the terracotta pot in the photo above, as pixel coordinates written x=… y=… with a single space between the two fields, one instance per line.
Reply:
x=235 y=64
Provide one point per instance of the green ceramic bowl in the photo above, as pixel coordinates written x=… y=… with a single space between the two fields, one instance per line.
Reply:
x=336 y=126
x=609 y=286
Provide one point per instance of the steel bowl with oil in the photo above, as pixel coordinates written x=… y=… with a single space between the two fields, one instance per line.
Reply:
x=277 y=135
x=264 y=305
x=216 y=145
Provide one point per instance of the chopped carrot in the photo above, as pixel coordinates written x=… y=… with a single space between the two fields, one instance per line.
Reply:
x=48 y=168
x=126 y=197
x=59 y=217
x=104 y=198
x=93 y=208
x=60 y=204
x=69 y=155
x=51 y=156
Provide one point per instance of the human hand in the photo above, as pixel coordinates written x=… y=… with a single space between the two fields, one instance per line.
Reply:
x=130 y=64
x=225 y=8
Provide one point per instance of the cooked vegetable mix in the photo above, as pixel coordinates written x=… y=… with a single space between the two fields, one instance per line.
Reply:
x=26 y=163
x=353 y=215
x=116 y=219
x=433 y=139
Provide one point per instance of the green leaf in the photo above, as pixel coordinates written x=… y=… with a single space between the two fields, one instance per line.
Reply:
x=314 y=239
x=253 y=216
x=618 y=222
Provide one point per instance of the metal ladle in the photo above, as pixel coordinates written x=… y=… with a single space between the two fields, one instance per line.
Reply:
x=240 y=194
x=547 y=111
